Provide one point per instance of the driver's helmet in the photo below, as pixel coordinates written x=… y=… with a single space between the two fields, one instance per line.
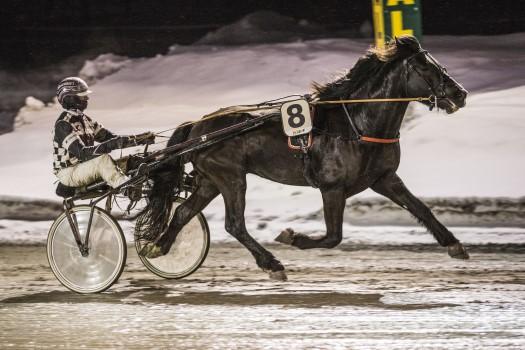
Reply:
x=71 y=86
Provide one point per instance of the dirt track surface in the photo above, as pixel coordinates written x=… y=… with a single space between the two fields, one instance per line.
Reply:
x=348 y=298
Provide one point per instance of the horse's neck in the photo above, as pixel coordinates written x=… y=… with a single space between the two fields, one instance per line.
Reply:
x=382 y=119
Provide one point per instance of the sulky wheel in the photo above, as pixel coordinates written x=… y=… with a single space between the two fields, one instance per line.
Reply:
x=106 y=255
x=187 y=253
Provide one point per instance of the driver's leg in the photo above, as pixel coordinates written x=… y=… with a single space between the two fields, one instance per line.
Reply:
x=100 y=168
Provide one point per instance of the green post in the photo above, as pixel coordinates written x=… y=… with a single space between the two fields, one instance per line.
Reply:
x=395 y=18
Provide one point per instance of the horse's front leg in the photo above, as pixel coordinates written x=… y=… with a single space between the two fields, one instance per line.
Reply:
x=233 y=189
x=333 y=207
x=393 y=188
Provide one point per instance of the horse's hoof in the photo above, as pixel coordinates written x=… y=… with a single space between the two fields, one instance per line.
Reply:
x=457 y=251
x=285 y=237
x=278 y=275
x=151 y=251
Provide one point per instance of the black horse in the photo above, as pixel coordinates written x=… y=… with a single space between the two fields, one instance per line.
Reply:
x=341 y=162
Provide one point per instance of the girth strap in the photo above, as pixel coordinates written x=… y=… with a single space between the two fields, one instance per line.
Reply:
x=365 y=138
x=378 y=140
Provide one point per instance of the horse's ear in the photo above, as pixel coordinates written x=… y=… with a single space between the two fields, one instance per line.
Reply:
x=408 y=41
x=398 y=42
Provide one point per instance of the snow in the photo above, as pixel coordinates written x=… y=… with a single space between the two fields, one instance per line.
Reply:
x=17 y=232
x=478 y=151
x=102 y=66
x=31 y=104
x=263 y=27
x=34 y=103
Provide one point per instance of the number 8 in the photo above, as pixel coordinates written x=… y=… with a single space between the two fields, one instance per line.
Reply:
x=292 y=115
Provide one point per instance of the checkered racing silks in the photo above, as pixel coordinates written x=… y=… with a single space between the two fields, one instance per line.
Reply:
x=74 y=139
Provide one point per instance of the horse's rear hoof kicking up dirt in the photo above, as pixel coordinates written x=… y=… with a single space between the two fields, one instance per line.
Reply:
x=457 y=251
x=151 y=251
x=278 y=275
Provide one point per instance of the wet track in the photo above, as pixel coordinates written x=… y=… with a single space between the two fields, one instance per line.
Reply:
x=363 y=297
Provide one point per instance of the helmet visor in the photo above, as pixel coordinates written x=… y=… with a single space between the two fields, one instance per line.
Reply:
x=85 y=93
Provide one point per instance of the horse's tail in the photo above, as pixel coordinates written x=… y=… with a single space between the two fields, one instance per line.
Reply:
x=154 y=218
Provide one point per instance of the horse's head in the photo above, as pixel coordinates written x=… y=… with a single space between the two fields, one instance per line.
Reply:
x=426 y=76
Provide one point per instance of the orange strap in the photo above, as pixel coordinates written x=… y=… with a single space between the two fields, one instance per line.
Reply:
x=378 y=140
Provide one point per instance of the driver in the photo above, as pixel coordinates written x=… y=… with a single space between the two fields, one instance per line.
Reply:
x=77 y=160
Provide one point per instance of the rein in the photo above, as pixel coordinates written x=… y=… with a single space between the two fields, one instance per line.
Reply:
x=371 y=139
x=372 y=100
x=271 y=105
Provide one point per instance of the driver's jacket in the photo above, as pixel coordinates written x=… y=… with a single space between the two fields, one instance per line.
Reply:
x=74 y=139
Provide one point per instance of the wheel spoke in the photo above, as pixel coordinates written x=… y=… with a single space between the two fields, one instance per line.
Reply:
x=109 y=260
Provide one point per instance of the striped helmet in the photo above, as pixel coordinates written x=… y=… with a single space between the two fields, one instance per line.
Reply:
x=71 y=86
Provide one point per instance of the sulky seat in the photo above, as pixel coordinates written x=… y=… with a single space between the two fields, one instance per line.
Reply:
x=85 y=192
x=127 y=164
x=65 y=191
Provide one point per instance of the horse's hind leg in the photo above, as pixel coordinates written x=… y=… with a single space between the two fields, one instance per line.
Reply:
x=392 y=187
x=333 y=207
x=195 y=203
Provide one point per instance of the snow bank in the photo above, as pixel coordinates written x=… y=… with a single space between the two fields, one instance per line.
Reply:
x=482 y=63
x=476 y=152
x=487 y=212
x=31 y=105
x=472 y=212
x=263 y=27
x=17 y=208
x=102 y=66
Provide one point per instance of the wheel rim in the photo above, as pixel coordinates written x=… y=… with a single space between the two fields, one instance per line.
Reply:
x=107 y=252
x=186 y=254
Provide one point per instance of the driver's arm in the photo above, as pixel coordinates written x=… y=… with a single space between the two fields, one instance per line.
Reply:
x=101 y=133
x=77 y=148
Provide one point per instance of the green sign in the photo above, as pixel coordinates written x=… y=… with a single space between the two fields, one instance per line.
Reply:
x=395 y=18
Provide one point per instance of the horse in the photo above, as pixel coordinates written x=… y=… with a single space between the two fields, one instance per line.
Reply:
x=355 y=147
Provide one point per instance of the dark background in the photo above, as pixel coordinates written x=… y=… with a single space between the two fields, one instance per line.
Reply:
x=36 y=33
x=42 y=41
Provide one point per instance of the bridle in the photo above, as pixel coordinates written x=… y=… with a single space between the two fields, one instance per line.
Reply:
x=436 y=91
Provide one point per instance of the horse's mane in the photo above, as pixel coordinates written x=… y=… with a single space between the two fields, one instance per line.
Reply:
x=366 y=67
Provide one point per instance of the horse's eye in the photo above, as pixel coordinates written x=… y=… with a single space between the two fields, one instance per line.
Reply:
x=423 y=64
